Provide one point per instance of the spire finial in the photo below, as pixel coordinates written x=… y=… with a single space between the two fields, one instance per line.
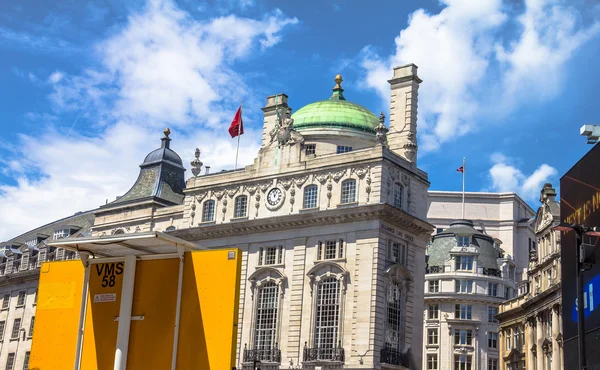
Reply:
x=167 y=132
x=338 y=80
x=196 y=163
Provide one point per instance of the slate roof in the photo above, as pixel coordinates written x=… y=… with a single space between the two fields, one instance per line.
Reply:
x=161 y=177
x=442 y=244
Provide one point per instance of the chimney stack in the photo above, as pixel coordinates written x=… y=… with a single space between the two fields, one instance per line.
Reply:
x=402 y=137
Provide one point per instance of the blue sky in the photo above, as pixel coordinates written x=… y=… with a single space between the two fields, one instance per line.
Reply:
x=87 y=87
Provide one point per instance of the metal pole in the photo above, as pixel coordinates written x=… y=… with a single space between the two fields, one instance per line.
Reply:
x=82 y=312
x=180 y=251
x=580 y=302
x=125 y=313
x=463 y=192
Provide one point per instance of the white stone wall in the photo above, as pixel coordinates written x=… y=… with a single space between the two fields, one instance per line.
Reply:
x=22 y=344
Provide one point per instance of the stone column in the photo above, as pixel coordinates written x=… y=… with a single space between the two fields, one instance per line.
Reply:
x=540 y=340
x=555 y=333
x=530 y=327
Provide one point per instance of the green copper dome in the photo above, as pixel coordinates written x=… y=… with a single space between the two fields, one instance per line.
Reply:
x=335 y=112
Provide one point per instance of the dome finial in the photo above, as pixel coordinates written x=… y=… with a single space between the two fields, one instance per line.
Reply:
x=338 y=80
x=165 y=140
x=167 y=132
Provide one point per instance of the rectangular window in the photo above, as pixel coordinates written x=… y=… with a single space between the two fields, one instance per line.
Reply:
x=397 y=200
x=432 y=362
x=241 y=203
x=310 y=196
x=397 y=252
x=310 y=149
x=463 y=286
x=10 y=361
x=433 y=312
x=330 y=249
x=26 y=361
x=266 y=316
x=31 y=326
x=462 y=336
x=492 y=312
x=463 y=240
x=5 y=301
x=2 y=327
x=508 y=339
x=462 y=362
x=270 y=255
x=21 y=300
x=492 y=339
x=208 y=211
x=432 y=336
x=463 y=312
x=343 y=149
x=493 y=364
x=348 y=191
x=434 y=286
x=16 y=328
x=464 y=263
x=327 y=317
x=493 y=289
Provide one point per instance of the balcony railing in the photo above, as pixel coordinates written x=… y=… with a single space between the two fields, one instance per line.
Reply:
x=492 y=272
x=323 y=353
x=262 y=355
x=393 y=356
x=434 y=269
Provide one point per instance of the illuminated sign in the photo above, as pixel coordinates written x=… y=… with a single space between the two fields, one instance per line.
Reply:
x=591 y=298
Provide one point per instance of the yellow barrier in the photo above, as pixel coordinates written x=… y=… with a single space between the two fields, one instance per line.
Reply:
x=208 y=321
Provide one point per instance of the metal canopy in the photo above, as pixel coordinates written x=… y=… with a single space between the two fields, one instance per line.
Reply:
x=146 y=243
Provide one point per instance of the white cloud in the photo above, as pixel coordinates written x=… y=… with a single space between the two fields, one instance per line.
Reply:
x=164 y=68
x=469 y=75
x=506 y=177
x=55 y=77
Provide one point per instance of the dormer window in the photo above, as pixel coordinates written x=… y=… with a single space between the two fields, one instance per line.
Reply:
x=463 y=240
x=343 y=149
x=464 y=263
x=32 y=243
x=310 y=149
x=60 y=234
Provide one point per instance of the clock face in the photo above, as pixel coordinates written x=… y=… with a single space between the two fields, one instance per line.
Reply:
x=274 y=196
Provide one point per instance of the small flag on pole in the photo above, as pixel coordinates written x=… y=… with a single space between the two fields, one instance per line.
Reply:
x=461 y=169
x=237 y=127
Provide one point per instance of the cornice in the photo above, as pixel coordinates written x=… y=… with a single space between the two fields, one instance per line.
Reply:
x=20 y=277
x=381 y=211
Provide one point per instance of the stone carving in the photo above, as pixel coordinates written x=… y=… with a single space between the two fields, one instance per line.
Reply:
x=292 y=194
x=381 y=131
x=329 y=187
x=405 y=179
x=410 y=148
x=360 y=171
x=251 y=189
x=264 y=186
x=321 y=177
x=299 y=181
x=257 y=204
x=284 y=131
x=286 y=183
x=196 y=164
x=338 y=175
x=232 y=191
x=218 y=194
x=200 y=196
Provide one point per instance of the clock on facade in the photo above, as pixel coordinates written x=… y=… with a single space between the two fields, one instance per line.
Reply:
x=275 y=198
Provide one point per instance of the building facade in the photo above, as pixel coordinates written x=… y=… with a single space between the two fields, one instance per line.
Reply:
x=531 y=324
x=330 y=219
x=504 y=216
x=467 y=277
x=21 y=259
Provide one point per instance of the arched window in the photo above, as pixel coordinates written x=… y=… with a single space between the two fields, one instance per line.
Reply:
x=241 y=206
x=310 y=196
x=266 y=317
x=348 y=191
x=208 y=211
x=397 y=195
x=395 y=307
x=327 y=317
x=119 y=231
x=327 y=289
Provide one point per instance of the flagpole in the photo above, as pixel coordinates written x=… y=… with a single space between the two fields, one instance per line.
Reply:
x=238 y=135
x=463 y=190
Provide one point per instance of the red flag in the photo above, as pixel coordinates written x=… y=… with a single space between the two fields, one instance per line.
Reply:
x=236 y=128
x=461 y=169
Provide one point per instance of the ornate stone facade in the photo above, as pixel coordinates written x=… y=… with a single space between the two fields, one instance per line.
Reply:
x=330 y=222
x=536 y=313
